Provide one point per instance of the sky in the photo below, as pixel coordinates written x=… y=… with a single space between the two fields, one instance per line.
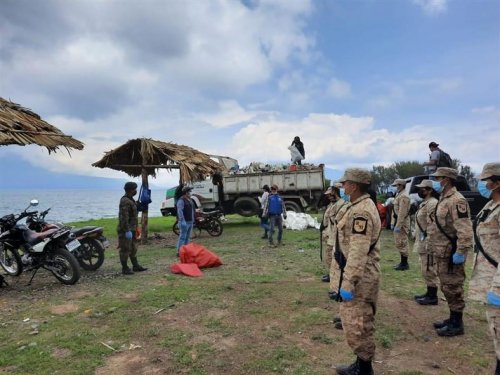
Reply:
x=363 y=83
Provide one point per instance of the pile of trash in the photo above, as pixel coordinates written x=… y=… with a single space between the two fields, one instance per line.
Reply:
x=257 y=167
x=300 y=221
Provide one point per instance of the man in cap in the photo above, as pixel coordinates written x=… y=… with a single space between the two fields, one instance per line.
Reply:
x=357 y=252
x=185 y=217
x=401 y=222
x=432 y=164
x=274 y=209
x=450 y=236
x=421 y=246
x=484 y=285
x=127 y=226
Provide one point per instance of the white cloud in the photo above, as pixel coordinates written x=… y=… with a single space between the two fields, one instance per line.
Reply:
x=228 y=113
x=437 y=85
x=339 y=89
x=432 y=7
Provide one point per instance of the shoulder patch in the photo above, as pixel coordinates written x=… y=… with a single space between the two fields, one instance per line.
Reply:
x=359 y=225
x=462 y=210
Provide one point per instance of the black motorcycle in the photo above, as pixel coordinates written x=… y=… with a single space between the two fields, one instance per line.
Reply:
x=50 y=250
x=209 y=221
x=90 y=254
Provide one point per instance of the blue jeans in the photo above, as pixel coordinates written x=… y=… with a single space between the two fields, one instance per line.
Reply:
x=185 y=232
x=264 y=224
x=275 y=220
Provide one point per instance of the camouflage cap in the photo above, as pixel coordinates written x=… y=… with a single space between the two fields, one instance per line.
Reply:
x=489 y=170
x=359 y=175
x=446 y=172
x=399 y=181
x=425 y=184
x=130 y=186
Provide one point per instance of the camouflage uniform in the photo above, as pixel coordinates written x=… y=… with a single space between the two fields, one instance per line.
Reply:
x=453 y=214
x=401 y=219
x=337 y=212
x=127 y=221
x=423 y=217
x=485 y=276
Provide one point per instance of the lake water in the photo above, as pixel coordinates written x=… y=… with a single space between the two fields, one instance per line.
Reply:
x=72 y=205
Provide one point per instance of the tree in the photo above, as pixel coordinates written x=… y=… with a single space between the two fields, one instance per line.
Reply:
x=405 y=169
x=466 y=171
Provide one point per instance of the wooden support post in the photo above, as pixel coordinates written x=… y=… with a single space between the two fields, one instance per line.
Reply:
x=144 y=217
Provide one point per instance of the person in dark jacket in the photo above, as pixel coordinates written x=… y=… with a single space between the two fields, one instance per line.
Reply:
x=300 y=146
x=127 y=226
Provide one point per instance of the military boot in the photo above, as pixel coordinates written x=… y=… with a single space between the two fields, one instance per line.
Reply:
x=125 y=269
x=136 y=266
x=403 y=265
x=359 y=367
x=441 y=323
x=430 y=298
x=497 y=370
x=455 y=327
x=325 y=278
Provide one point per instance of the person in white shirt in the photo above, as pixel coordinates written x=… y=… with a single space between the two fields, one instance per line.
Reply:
x=264 y=220
x=432 y=164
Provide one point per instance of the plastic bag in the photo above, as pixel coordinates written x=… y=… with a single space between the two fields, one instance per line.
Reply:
x=295 y=154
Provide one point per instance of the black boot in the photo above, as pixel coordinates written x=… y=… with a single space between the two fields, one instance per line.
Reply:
x=497 y=370
x=359 y=367
x=441 y=323
x=455 y=327
x=403 y=265
x=325 y=278
x=419 y=296
x=365 y=367
x=136 y=266
x=332 y=295
x=125 y=269
x=430 y=298
x=264 y=236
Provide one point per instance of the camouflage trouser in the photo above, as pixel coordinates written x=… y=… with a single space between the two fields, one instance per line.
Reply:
x=482 y=277
x=452 y=282
x=493 y=316
x=358 y=321
x=428 y=269
x=401 y=240
x=327 y=255
x=128 y=248
x=334 y=276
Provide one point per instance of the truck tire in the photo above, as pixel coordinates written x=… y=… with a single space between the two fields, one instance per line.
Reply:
x=246 y=206
x=293 y=206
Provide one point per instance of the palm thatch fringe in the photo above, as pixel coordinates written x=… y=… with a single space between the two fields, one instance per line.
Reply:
x=150 y=154
x=21 y=126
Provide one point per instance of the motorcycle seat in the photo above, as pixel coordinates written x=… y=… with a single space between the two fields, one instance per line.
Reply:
x=83 y=230
x=33 y=237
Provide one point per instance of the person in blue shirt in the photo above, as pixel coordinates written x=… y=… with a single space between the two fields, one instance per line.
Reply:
x=185 y=217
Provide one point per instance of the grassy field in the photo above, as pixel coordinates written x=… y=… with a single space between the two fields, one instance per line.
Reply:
x=263 y=312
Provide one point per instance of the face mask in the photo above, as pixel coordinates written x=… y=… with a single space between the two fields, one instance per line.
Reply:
x=436 y=185
x=343 y=195
x=483 y=190
x=421 y=194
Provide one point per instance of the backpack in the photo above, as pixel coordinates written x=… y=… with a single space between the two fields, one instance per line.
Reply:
x=444 y=160
x=275 y=204
x=144 y=199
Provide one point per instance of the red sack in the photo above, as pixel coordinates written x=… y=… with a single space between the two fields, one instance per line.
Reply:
x=188 y=269
x=196 y=253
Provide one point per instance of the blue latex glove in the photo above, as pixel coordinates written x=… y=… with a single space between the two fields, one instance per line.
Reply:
x=458 y=258
x=493 y=299
x=128 y=235
x=346 y=296
x=397 y=229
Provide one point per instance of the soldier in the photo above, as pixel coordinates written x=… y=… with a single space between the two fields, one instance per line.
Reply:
x=357 y=252
x=422 y=218
x=450 y=236
x=485 y=283
x=127 y=226
x=401 y=222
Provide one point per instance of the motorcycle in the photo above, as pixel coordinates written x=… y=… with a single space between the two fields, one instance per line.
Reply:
x=50 y=249
x=90 y=254
x=209 y=221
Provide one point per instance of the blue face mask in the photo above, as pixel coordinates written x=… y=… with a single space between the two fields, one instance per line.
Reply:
x=343 y=195
x=483 y=190
x=436 y=185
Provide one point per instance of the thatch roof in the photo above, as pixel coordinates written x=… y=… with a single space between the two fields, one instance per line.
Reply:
x=20 y=126
x=140 y=153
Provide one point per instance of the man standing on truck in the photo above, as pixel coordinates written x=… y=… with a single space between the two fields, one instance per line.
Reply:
x=401 y=223
x=274 y=210
x=438 y=158
x=450 y=236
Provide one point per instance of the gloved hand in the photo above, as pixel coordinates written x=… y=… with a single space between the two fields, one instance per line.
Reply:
x=458 y=258
x=493 y=299
x=346 y=296
x=397 y=229
x=128 y=235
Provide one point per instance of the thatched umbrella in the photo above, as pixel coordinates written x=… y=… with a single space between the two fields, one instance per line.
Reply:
x=143 y=156
x=20 y=126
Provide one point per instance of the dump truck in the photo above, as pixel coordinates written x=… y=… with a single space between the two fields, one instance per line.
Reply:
x=234 y=191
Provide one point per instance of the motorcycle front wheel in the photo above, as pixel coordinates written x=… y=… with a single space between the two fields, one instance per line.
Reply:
x=63 y=266
x=214 y=227
x=10 y=260
x=90 y=255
